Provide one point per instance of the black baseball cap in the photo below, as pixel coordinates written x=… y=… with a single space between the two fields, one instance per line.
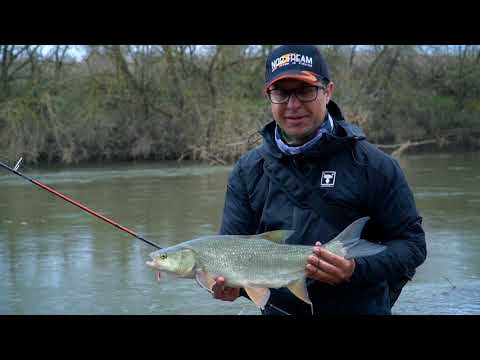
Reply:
x=302 y=62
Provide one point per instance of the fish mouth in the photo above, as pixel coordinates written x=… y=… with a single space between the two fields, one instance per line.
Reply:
x=152 y=264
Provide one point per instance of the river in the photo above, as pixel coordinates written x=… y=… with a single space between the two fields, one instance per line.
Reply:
x=57 y=259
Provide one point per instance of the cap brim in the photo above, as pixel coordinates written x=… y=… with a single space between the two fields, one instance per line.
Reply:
x=304 y=76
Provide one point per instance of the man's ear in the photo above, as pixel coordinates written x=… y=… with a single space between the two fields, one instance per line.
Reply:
x=330 y=90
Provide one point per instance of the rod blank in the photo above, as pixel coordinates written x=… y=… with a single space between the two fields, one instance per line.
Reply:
x=76 y=203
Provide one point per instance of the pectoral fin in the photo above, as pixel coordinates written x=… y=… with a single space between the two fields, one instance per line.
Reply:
x=299 y=289
x=205 y=280
x=259 y=296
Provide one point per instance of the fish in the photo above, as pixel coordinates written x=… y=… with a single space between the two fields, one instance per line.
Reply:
x=256 y=263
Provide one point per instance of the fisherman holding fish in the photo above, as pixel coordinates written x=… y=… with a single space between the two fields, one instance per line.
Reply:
x=315 y=174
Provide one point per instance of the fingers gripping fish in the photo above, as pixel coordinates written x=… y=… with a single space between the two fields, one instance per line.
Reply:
x=256 y=263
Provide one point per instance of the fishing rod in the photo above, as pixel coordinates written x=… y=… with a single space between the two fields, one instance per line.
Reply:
x=76 y=203
x=90 y=211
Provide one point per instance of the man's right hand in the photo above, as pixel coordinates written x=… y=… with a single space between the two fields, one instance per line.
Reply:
x=222 y=292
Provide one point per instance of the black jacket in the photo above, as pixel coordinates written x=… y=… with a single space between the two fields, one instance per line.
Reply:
x=368 y=182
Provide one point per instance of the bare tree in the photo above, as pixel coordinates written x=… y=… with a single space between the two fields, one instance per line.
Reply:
x=13 y=58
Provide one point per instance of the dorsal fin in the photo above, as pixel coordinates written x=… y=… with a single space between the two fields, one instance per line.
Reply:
x=276 y=236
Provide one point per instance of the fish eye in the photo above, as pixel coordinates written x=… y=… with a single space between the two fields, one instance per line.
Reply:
x=163 y=256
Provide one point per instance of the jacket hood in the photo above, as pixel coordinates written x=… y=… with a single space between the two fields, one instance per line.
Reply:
x=345 y=133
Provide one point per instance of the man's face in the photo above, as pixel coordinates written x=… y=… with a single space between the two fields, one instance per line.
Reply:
x=299 y=119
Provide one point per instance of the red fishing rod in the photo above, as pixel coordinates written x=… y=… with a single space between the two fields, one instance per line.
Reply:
x=76 y=203
x=90 y=211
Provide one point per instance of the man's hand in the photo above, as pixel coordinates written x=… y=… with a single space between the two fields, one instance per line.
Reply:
x=327 y=267
x=222 y=292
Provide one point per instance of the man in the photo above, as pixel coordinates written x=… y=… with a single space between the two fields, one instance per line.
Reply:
x=337 y=177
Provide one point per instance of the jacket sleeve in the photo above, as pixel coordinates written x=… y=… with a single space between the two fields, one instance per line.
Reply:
x=238 y=217
x=395 y=223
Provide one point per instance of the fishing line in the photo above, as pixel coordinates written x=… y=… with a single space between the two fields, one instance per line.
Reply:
x=278 y=309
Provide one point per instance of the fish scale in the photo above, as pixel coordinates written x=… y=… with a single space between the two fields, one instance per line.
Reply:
x=250 y=261
x=256 y=262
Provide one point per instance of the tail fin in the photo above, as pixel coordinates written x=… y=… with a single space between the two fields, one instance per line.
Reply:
x=349 y=245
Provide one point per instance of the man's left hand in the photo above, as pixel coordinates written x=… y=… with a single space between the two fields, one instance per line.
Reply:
x=327 y=267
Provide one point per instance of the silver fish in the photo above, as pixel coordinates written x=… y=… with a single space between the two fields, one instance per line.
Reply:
x=257 y=262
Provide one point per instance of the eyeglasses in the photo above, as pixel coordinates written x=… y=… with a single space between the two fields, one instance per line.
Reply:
x=303 y=94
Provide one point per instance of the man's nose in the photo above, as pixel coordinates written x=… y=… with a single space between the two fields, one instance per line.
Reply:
x=293 y=101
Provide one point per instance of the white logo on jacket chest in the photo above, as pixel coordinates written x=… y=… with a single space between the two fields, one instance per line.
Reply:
x=328 y=178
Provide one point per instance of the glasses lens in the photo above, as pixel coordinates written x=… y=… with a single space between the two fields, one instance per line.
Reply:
x=307 y=93
x=278 y=96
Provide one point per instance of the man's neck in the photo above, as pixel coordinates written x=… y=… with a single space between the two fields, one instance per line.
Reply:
x=300 y=141
x=296 y=141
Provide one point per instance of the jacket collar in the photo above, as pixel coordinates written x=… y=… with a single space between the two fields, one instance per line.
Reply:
x=344 y=133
